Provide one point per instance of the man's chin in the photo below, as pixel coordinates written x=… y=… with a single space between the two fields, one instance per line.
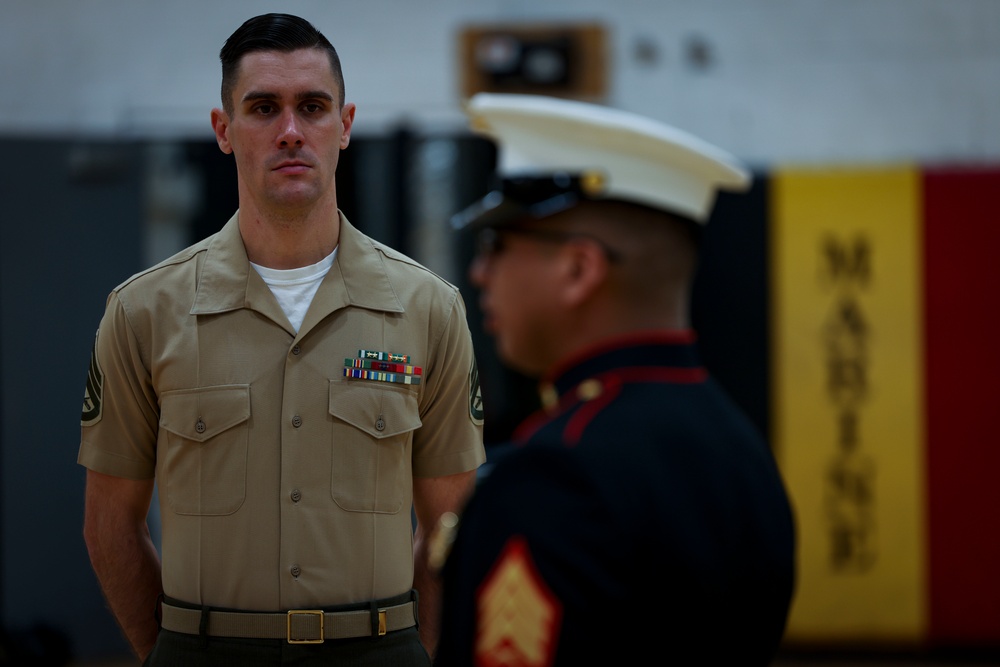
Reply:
x=522 y=363
x=294 y=198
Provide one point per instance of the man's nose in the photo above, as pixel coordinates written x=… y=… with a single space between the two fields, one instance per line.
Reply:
x=478 y=269
x=291 y=133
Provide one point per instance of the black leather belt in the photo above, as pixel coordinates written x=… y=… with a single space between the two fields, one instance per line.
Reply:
x=297 y=626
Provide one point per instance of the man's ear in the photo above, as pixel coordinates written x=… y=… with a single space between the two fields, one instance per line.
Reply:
x=585 y=270
x=347 y=118
x=220 y=124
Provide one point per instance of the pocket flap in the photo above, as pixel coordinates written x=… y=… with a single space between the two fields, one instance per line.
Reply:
x=379 y=412
x=200 y=414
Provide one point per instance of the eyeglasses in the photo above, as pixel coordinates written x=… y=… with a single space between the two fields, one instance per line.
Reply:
x=490 y=241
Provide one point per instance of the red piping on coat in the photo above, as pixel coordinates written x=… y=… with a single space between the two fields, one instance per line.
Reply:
x=611 y=384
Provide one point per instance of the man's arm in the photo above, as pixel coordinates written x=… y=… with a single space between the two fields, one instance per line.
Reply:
x=123 y=555
x=432 y=497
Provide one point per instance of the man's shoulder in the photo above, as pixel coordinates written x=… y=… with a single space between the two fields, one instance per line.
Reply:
x=415 y=285
x=400 y=268
x=403 y=266
x=161 y=274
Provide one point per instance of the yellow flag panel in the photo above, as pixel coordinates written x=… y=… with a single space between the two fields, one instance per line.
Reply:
x=847 y=392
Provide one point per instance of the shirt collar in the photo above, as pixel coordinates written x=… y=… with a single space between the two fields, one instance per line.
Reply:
x=358 y=276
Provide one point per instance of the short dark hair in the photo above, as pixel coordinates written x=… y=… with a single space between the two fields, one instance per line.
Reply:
x=273 y=32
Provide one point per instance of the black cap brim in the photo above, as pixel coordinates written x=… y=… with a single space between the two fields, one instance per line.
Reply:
x=497 y=209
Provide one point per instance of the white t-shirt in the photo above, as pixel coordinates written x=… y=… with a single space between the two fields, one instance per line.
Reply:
x=295 y=288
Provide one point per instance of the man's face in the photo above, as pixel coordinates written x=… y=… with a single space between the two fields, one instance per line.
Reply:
x=516 y=273
x=286 y=129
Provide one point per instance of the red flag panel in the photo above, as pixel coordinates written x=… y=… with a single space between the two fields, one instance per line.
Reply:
x=962 y=339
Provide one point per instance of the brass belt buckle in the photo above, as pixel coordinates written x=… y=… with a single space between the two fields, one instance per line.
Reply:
x=381 y=622
x=305 y=612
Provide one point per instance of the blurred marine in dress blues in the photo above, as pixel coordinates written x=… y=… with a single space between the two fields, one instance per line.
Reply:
x=639 y=513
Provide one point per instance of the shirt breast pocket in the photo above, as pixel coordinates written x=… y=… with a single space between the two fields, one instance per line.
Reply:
x=205 y=434
x=372 y=440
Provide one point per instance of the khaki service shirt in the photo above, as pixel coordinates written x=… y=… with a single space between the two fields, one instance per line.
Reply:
x=282 y=483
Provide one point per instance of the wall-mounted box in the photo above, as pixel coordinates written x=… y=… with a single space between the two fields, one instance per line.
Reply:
x=561 y=60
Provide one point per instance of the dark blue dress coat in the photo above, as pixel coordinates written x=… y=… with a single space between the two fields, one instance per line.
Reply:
x=638 y=519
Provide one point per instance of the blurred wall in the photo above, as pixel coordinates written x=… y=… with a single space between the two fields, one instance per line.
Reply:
x=68 y=235
x=770 y=80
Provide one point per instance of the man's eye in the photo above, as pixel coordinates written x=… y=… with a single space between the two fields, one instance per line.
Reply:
x=312 y=108
x=263 y=109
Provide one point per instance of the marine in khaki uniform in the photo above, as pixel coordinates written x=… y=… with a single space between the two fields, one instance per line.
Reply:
x=295 y=388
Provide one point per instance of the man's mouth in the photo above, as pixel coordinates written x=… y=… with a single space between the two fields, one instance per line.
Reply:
x=489 y=321
x=292 y=167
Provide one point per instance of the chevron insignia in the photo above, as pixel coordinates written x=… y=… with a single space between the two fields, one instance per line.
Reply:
x=93 y=396
x=517 y=616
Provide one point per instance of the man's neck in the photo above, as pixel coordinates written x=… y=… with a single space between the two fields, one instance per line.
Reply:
x=289 y=241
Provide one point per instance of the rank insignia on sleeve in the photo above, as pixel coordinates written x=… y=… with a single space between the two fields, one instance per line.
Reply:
x=382 y=367
x=93 y=393
x=475 y=396
x=517 y=617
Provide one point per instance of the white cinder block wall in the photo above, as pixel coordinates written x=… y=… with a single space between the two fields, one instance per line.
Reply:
x=786 y=81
